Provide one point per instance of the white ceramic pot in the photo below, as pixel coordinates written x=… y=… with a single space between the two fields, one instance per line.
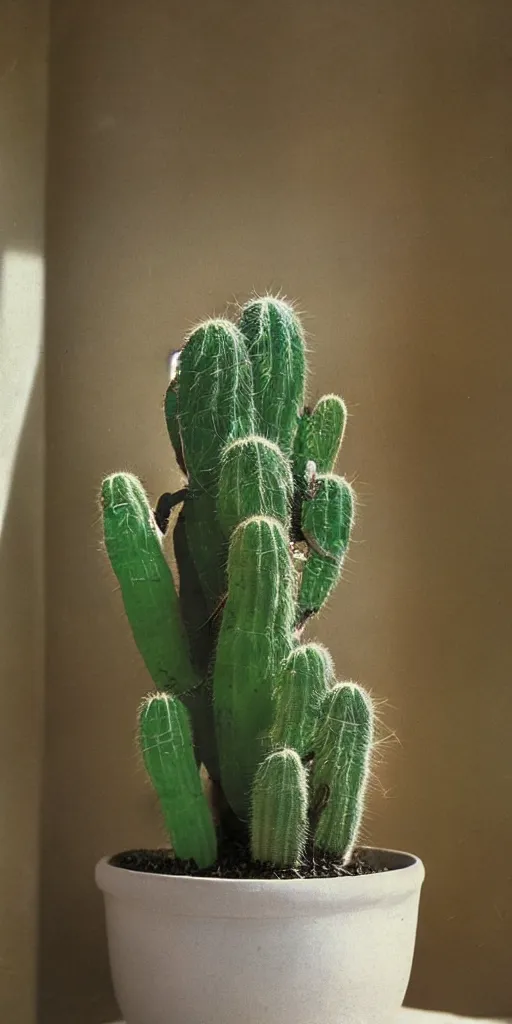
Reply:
x=209 y=951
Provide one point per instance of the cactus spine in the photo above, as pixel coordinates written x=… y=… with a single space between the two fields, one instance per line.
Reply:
x=286 y=746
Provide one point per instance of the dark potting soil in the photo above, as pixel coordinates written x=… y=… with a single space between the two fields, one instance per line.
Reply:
x=234 y=862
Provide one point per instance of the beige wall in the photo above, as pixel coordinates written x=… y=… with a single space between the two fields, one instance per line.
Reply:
x=23 y=32
x=356 y=155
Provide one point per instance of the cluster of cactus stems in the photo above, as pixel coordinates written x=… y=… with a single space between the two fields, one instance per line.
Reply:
x=259 y=544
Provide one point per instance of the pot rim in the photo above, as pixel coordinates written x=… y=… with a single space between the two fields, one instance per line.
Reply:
x=193 y=896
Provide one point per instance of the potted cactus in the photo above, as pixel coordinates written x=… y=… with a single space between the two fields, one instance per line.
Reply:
x=262 y=909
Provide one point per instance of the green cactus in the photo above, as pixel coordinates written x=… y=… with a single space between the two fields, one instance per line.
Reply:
x=300 y=689
x=150 y=599
x=259 y=544
x=255 y=479
x=319 y=436
x=215 y=403
x=214 y=406
x=254 y=640
x=327 y=518
x=279 y=809
x=275 y=343
x=168 y=753
x=340 y=767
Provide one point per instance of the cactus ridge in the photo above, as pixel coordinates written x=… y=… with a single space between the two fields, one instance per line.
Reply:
x=259 y=544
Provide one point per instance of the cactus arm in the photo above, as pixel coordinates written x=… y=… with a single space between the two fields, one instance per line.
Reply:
x=299 y=693
x=340 y=768
x=327 y=516
x=255 y=479
x=327 y=519
x=254 y=640
x=275 y=343
x=214 y=407
x=168 y=754
x=134 y=547
x=214 y=399
x=279 y=809
x=319 y=436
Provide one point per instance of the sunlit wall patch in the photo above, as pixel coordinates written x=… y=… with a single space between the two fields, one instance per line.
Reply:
x=21 y=339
